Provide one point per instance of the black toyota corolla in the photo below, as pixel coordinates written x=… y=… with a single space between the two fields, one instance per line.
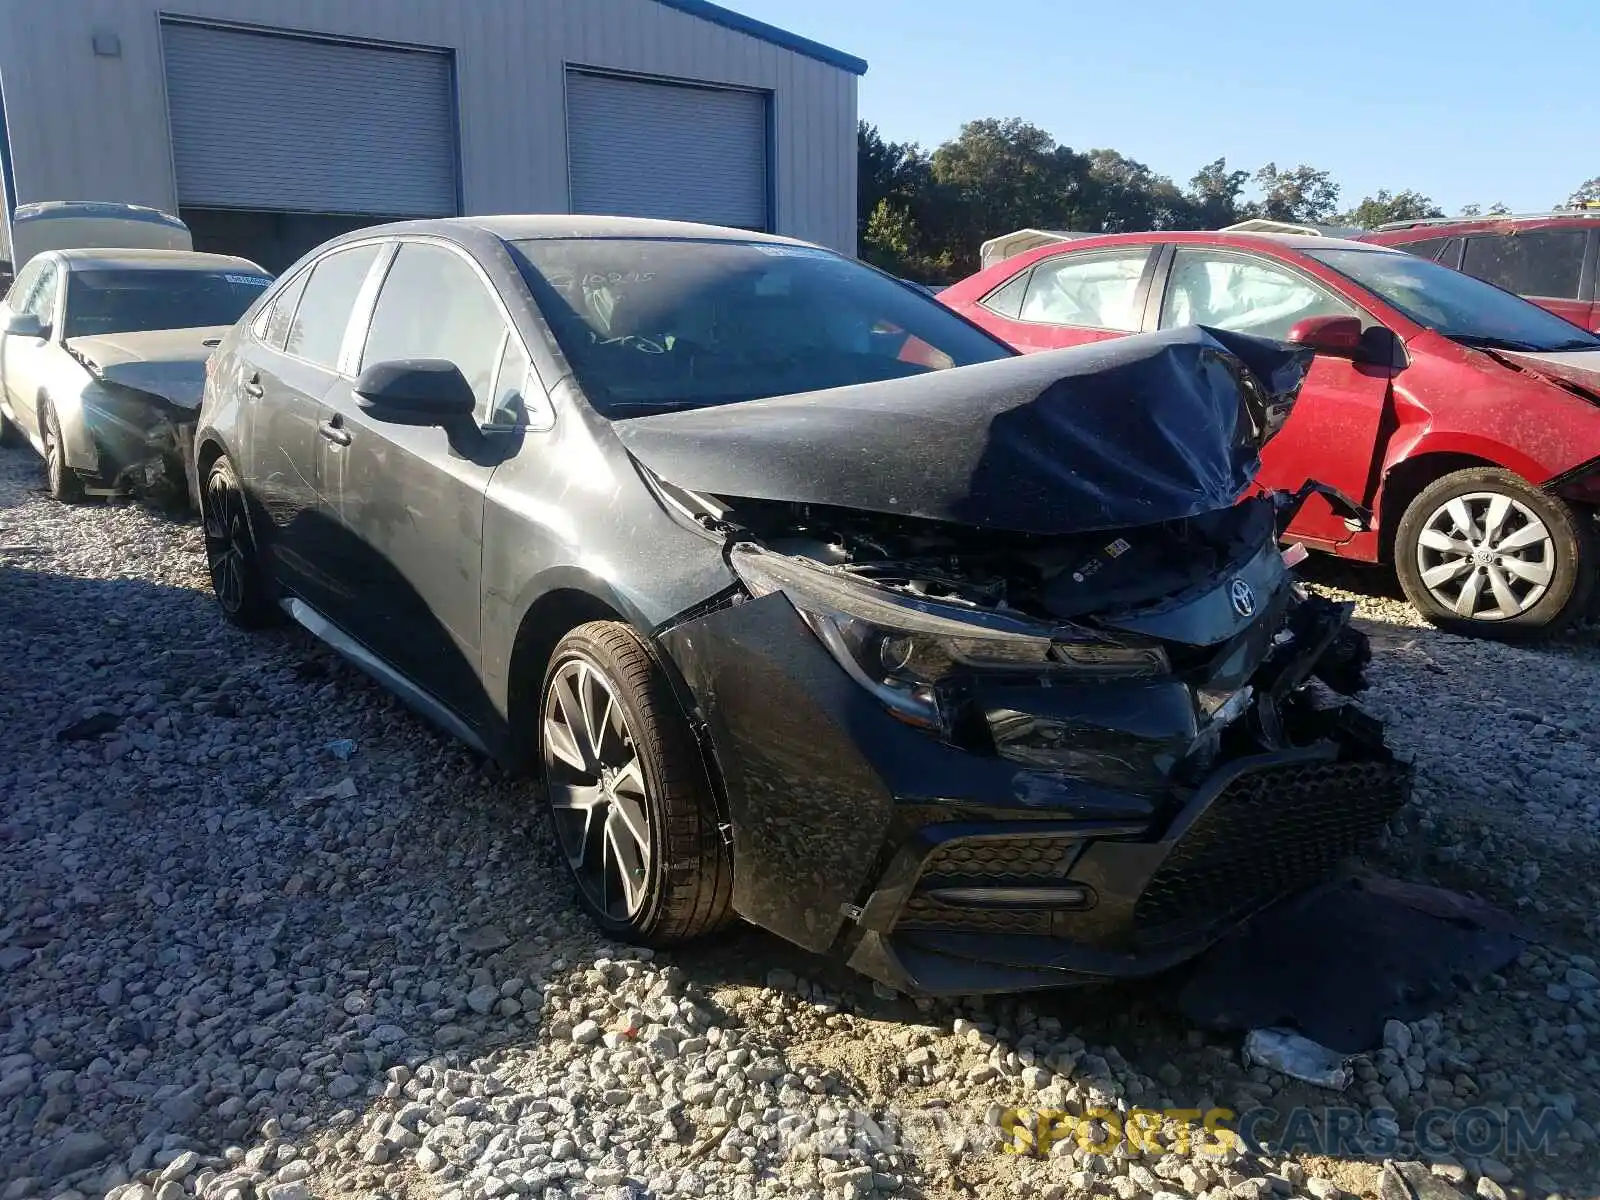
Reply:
x=802 y=598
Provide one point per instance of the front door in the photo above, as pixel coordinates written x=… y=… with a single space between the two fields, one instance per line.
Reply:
x=1331 y=436
x=1070 y=299
x=25 y=361
x=410 y=497
x=286 y=373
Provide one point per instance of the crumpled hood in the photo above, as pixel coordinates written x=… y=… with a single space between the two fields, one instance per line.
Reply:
x=170 y=363
x=1581 y=367
x=1133 y=431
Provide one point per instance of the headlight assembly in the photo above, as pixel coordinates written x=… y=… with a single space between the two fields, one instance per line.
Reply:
x=901 y=649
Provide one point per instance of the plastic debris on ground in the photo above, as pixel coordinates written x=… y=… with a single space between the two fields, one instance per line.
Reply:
x=1297 y=1057
x=341 y=748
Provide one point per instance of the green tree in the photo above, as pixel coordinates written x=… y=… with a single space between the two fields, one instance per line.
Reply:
x=1127 y=196
x=893 y=171
x=1391 y=206
x=1586 y=193
x=1304 y=194
x=1000 y=175
x=1214 y=194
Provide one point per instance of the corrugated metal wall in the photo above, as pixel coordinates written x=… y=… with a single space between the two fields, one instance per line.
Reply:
x=87 y=127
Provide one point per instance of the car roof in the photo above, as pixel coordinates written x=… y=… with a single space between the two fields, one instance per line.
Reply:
x=1218 y=237
x=110 y=258
x=512 y=227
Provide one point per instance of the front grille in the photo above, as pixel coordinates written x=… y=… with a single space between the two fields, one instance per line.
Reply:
x=1268 y=834
x=1021 y=861
x=1022 y=858
x=924 y=912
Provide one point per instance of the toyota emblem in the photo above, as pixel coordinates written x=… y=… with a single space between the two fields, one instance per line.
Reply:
x=1244 y=599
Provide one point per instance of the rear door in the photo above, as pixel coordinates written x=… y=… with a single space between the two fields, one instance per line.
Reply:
x=292 y=360
x=1548 y=266
x=1332 y=433
x=410 y=497
x=1071 y=299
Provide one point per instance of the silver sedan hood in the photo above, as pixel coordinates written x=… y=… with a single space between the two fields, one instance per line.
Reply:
x=170 y=363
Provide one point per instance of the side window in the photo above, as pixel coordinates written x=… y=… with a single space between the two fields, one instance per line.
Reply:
x=317 y=328
x=42 y=300
x=510 y=381
x=1426 y=248
x=1450 y=256
x=23 y=284
x=1006 y=300
x=1541 y=262
x=1100 y=291
x=1242 y=295
x=275 y=326
x=434 y=305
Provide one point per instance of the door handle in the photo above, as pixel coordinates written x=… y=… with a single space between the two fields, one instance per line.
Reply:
x=252 y=386
x=336 y=435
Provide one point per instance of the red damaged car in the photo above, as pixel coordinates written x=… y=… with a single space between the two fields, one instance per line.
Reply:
x=1462 y=419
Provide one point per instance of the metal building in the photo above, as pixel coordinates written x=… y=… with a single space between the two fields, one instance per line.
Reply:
x=271 y=125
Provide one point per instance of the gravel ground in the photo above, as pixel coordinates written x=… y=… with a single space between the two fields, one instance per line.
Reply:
x=235 y=964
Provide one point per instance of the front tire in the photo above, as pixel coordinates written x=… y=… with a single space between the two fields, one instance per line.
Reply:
x=1481 y=552
x=627 y=791
x=238 y=579
x=61 y=480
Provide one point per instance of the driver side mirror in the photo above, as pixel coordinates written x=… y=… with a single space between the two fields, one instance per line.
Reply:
x=1337 y=336
x=24 y=325
x=415 y=391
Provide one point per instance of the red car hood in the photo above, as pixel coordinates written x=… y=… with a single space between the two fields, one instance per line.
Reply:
x=1578 y=367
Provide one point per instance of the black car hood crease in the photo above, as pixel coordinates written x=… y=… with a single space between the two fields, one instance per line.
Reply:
x=1134 y=431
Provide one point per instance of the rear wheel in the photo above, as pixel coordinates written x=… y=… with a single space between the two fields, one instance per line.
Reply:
x=237 y=578
x=627 y=791
x=1481 y=552
x=60 y=478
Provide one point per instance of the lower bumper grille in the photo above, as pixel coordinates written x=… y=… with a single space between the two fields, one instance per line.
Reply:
x=1268 y=834
x=926 y=913
x=1020 y=861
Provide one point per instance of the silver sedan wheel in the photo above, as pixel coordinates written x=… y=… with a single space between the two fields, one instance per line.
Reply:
x=597 y=789
x=1486 y=556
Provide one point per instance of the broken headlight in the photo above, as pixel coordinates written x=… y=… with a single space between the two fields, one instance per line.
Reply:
x=900 y=648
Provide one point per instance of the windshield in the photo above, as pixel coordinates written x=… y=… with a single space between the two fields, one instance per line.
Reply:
x=133 y=301
x=657 y=323
x=1456 y=305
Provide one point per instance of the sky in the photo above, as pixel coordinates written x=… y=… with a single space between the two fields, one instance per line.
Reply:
x=1468 y=103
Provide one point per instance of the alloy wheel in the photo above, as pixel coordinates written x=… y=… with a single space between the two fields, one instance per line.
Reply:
x=54 y=457
x=226 y=543
x=597 y=789
x=1486 y=556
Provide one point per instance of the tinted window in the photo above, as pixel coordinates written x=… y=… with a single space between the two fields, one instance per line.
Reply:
x=434 y=305
x=275 y=330
x=1101 y=291
x=1241 y=294
x=1540 y=262
x=317 y=330
x=1426 y=248
x=653 y=323
x=1006 y=300
x=132 y=300
x=1456 y=305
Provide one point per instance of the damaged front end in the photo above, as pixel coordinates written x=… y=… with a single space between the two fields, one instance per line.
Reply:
x=141 y=442
x=970 y=759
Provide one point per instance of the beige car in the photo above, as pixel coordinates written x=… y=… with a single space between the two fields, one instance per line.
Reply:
x=102 y=362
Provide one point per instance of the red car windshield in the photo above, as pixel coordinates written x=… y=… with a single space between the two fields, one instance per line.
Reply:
x=1460 y=307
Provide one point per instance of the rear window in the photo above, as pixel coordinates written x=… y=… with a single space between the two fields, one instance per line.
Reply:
x=1540 y=262
x=134 y=301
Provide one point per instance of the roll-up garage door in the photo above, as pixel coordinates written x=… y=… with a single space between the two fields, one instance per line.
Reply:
x=645 y=149
x=291 y=124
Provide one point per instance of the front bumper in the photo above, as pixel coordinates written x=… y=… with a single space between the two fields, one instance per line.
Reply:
x=860 y=837
x=131 y=442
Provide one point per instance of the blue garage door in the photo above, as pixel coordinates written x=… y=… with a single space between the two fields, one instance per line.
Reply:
x=640 y=148
x=292 y=124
